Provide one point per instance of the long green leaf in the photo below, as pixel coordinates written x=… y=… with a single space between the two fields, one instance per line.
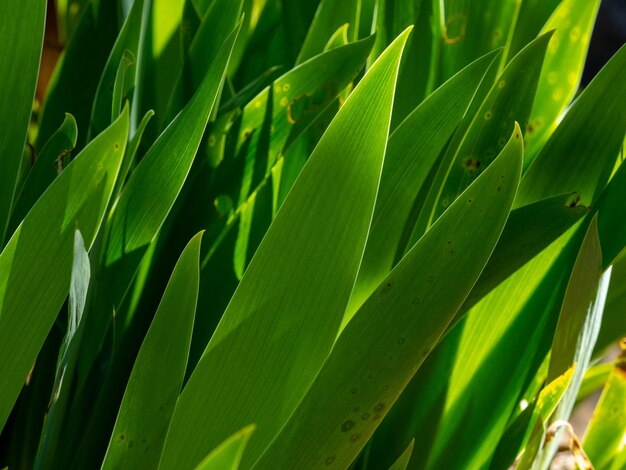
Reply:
x=403 y=461
x=578 y=326
x=146 y=201
x=49 y=163
x=330 y=15
x=36 y=264
x=613 y=322
x=605 y=435
x=484 y=131
x=81 y=275
x=219 y=20
x=286 y=311
x=227 y=456
x=124 y=56
x=580 y=155
x=528 y=231
x=157 y=376
x=21 y=36
x=412 y=151
x=547 y=401
x=374 y=358
x=572 y=21
x=73 y=85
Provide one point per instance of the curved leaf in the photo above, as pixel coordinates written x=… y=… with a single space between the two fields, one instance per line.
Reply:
x=48 y=165
x=227 y=455
x=146 y=201
x=374 y=358
x=30 y=298
x=572 y=21
x=157 y=376
x=21 y=33
x=412 y=151
x=286 y=311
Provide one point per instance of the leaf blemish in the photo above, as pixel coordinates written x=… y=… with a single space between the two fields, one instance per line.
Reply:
x=347 y=425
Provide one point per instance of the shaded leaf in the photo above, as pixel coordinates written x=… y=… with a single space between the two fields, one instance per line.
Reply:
x=157 y=376
x=30 y=298
x=21 y=33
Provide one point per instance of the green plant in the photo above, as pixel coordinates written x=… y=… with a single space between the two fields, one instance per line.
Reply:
x=283 y=241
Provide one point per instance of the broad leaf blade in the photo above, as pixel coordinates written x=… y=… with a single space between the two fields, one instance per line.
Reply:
x=48 y=165
x=146 y=201
x=374 y=358
x=30 y=298
x=286 y=311
x=572 y=21
x=124 y=55
x=580 y=155
x=412 y=151
x=157 y=376
x=21 y=34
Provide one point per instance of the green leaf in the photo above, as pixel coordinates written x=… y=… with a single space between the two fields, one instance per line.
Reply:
x=220 y=19
x=330 y=15
x=157 y=376
x=484 y=131
x=374 y=358
x=123 y=56
x=595 y=377
x=48 y=164
x=162 y=56
x=227 y=456
x=403 y=461
x=506 y=327
x=464 y=39
x=81 y=275
x=73 y=85
x=603 y=441
x=547 y=401
x=611 y=211
x=30 y=298
x=21 y=34
x=579 y=319
x=580 y=155
x=613 y=322
x=288 y=107
x=528 y=231
x=131 y=152
x=412 y=151
x=146 y=201
x=578 y=326
x=287 y=309
x=573 y=22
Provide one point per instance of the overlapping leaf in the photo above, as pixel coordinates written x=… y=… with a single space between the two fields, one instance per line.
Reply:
x=286 y=311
